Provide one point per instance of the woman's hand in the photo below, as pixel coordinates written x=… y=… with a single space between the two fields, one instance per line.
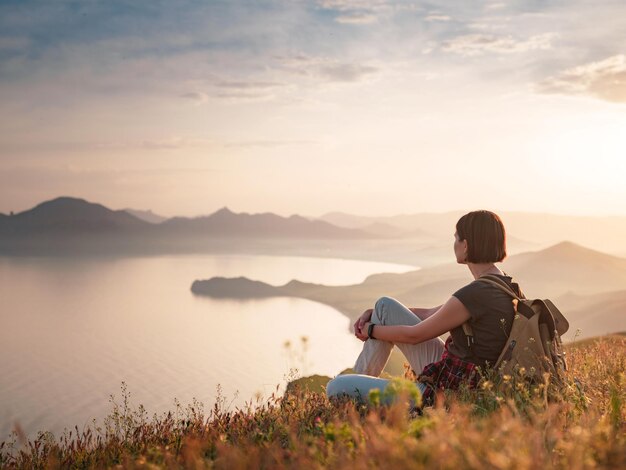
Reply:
x=362 y=333
x=360 y=323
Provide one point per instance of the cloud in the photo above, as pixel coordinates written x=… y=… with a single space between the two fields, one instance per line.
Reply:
x=479 y=44
x=68 y=146
x=327 y=69
x=358 y=12
x=437 y=17
x=495 y=6
x=347 y=5
x=234 y=90
x=357 y=18
x=604 y=79
x=171 y=143
x=243 y=97
x=490 y=23
x=195 y=96
x=245 y=90
x=268 y=143
x=14 y=43
x=247 y=85
x=345 y=72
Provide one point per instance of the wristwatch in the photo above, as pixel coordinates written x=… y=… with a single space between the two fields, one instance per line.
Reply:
x=370 y=329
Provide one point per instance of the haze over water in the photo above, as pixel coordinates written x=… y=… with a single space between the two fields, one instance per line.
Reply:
x=74 y=329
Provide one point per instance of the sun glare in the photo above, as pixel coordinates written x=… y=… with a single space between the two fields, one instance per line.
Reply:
x=588 y=152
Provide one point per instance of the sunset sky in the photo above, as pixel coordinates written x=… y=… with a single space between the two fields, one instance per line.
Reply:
x=369 y=107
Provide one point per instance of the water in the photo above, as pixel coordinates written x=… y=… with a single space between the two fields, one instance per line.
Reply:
x=72 y=330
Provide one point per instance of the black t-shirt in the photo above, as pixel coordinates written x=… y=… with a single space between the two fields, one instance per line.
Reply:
x=492 y=313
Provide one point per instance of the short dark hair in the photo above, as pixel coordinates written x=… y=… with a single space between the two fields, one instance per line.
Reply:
x=485 y=235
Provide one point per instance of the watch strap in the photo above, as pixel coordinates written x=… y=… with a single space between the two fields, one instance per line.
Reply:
x=370 y=329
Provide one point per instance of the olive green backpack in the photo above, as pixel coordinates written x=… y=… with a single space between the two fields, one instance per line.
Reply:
x=535 y=339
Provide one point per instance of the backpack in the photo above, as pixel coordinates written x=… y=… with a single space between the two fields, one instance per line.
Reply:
x=534 y=342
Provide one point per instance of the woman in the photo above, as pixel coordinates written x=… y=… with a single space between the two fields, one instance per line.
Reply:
x=479 y=242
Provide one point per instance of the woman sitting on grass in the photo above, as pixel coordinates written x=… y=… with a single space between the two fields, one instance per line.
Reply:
x=479 y=242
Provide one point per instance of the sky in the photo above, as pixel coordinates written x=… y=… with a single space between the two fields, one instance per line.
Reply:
x=375 y=107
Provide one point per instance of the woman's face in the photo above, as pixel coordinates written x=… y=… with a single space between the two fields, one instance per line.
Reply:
x=460 y=249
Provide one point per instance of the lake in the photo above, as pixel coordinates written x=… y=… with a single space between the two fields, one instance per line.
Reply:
x=72 y=330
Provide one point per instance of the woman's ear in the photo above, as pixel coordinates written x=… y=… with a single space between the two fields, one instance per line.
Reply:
x=464 y=242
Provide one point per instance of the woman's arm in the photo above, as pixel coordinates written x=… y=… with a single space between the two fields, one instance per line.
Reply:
x=424 y=313
x=450 y=315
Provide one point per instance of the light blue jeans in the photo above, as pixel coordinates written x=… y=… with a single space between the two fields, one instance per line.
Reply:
x=359 y=386
x=375 y=354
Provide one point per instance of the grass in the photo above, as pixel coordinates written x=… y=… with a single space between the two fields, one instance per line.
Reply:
x=499 y=425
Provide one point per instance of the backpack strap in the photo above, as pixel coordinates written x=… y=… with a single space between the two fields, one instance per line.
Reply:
x=500 y=284
x=469 y=335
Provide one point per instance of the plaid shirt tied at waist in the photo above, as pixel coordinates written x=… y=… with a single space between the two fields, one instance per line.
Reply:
x=448 y=373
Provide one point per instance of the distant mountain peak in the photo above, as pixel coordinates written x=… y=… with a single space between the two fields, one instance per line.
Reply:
x=224 y=211
x=573 y=252
x=566 y=244
x=71 y=214
x=66 y=204
x=568 y=247
x=64 y=201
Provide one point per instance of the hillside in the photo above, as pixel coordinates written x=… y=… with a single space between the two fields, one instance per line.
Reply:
x=595 y=315
x=510 y=426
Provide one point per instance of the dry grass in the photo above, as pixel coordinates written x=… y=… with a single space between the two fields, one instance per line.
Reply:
x=508 y=426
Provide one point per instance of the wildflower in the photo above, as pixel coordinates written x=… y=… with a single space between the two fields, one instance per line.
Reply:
x=487 y=385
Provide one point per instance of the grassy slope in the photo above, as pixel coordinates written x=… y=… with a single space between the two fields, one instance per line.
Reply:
x=511 y=427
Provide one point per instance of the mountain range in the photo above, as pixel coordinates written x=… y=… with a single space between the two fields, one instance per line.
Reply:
x=68 y=226
x=71 y=225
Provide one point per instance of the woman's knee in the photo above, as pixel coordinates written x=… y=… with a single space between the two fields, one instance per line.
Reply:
x=348 y=384
x=337 y=386
x=354 y=385
x=381 y=307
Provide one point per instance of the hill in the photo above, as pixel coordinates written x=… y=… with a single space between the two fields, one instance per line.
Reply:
x=594 y=315
x=68 y=215
x=567 y=267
